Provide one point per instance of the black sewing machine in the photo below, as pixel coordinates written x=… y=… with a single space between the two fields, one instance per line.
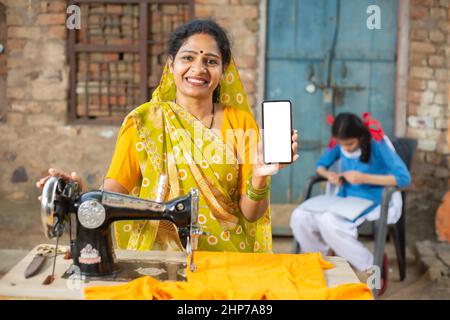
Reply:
x=89 y=216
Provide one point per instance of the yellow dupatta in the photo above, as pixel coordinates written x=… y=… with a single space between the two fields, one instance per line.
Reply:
x=173 y=143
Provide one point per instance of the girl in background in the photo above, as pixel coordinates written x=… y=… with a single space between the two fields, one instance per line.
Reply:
x=368 y=163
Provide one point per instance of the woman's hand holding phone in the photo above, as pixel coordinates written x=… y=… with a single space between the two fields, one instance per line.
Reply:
x=260 y=169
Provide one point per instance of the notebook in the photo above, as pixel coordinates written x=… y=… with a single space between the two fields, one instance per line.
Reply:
x=350 y=208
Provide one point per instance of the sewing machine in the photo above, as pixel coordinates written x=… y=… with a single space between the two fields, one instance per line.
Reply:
x=89 y=216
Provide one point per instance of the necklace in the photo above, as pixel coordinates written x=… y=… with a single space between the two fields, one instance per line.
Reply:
x=213 y=113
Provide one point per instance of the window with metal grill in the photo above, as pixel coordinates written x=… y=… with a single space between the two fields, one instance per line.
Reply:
x=117 y=56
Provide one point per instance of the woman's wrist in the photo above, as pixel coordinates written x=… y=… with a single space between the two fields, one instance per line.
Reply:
x=259 y=182
x=257 y=187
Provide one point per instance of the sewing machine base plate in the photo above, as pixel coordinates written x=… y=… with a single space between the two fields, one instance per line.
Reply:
x=133 y=269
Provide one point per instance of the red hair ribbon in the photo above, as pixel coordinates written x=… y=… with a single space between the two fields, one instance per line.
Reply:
x=373 y=125
x=332 y=142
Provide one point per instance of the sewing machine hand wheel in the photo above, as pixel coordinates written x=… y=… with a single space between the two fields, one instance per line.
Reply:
x=55 y=201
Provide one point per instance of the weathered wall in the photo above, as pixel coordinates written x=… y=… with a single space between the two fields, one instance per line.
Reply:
x=3 y=35
x=428 y=105
x=36 y=134
x=443 y=213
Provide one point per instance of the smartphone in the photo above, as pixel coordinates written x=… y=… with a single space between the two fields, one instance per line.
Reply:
x=277 y=131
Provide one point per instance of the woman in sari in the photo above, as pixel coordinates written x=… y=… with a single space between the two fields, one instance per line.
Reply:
x=197 y=131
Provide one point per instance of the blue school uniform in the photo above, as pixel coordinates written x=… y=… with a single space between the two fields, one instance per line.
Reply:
x=383 y=161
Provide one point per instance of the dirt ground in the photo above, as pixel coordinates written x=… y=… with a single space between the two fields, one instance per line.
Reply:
x=20 y=231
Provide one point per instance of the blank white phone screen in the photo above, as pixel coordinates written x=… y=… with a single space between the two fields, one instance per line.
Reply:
x=277 y=134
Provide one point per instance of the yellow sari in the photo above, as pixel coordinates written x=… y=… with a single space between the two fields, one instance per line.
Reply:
x=172 y=142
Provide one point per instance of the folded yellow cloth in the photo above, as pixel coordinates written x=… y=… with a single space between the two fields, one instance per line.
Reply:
x=243 y=276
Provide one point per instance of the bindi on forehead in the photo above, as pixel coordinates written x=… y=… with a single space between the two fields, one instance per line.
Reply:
x=194 y=51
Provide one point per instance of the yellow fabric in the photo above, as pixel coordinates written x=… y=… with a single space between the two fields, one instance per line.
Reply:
x=231 y=275
x=170 y=141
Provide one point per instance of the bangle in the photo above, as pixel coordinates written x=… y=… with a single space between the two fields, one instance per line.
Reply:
x=256 y=194
x=263 y=190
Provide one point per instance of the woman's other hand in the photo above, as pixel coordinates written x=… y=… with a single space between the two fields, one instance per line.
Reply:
x=294 y=149
x=261 y=169
x=53 y=172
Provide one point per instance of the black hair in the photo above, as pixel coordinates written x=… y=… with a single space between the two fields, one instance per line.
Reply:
x=204 y=26
x=347 y=126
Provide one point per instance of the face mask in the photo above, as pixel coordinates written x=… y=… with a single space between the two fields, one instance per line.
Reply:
x=353 y=154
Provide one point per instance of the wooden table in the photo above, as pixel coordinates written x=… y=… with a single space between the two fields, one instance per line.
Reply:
x=13 y=285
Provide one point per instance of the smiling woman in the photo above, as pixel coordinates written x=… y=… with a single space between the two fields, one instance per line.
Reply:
x=197 y=69
x=180 y=134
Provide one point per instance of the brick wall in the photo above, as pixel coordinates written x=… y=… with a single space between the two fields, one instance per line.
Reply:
x=37 y=134
x=3 y=36
x=428 y=103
